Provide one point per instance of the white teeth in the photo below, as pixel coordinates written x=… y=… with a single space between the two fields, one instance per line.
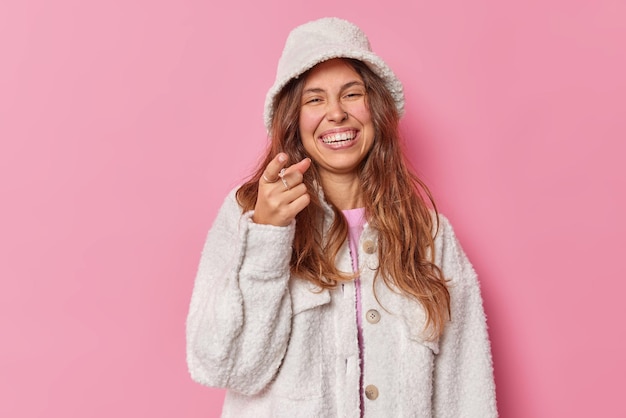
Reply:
x=338 y=137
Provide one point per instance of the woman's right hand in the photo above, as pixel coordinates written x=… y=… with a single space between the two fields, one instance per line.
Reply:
x=281 y=196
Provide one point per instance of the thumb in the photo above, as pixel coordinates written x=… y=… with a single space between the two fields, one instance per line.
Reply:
x=303 y=166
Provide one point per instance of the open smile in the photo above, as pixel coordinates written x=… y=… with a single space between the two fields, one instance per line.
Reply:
x=338 y=138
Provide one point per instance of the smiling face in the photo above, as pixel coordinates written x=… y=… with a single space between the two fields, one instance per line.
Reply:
x=335 y=122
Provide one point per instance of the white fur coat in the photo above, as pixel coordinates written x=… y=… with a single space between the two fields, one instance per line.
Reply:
x=286 y=349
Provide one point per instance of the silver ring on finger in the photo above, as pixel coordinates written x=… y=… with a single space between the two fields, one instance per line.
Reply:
x=268 y=180
x=281 y=175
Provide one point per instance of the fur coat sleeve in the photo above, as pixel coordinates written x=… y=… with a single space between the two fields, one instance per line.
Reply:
x=244 y=268
x=463 y=372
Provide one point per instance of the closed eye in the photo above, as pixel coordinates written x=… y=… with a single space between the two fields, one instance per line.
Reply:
x=353 y=96
x=313 y=100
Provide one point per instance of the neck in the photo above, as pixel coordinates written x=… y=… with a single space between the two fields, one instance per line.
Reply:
x=344 y=192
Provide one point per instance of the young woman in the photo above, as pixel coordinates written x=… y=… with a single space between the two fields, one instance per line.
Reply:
x=329 y=286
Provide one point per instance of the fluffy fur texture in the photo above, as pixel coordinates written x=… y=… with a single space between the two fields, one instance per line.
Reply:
x=321 y=40
x=286 y=349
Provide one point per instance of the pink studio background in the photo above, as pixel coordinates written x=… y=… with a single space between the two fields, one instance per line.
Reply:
x=123 y=124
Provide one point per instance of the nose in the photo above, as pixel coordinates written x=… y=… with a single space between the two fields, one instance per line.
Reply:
x=335 y=112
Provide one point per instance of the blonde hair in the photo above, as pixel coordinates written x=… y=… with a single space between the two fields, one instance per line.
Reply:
x=397 y=206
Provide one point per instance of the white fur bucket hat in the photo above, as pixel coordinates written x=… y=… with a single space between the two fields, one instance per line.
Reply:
x=321 y=40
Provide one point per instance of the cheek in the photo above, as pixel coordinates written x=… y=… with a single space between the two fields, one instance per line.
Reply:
x=362 y=113
x=307 y=123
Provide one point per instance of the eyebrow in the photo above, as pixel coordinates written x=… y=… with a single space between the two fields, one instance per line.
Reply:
x=345 y=86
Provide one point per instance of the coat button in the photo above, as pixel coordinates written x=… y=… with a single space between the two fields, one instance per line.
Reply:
x=369 y=246
x=372 y=316
x=371 y=392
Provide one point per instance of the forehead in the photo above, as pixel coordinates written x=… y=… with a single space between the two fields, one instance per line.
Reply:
x=335 y=72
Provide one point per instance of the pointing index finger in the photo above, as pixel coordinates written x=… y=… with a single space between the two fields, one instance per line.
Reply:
x=274 y=167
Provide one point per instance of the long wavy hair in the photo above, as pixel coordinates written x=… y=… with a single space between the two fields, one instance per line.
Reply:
x=398 y=206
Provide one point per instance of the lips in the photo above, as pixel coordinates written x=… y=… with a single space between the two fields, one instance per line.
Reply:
x=338 y=138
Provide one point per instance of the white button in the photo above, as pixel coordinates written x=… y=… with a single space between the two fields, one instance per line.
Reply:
x=372 y=316
x=371 y=392
x=369 y=246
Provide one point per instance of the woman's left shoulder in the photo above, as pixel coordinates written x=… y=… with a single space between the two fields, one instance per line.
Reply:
x=449 y=254
x=442 y=228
